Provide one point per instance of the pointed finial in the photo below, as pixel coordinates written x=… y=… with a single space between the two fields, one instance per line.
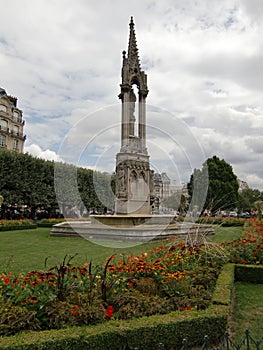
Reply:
x=132 y=47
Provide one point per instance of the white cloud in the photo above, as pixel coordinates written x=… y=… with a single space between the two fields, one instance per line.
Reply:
x=36 y=151
x=203 y=60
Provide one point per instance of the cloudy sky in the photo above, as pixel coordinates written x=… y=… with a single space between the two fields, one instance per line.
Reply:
x=62 y=59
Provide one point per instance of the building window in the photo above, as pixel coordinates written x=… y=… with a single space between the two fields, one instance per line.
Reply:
x=16 y=116
x=16 y=130
x=15 y=147
x=2 y=141
x=3 y=108
x=3 y=125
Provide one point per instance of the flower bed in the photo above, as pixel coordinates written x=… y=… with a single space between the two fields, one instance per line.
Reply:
x=171 y=277
x=49 y=222
x=167 y=278
x=8 y=225
x=248 y=249
x=222 y=221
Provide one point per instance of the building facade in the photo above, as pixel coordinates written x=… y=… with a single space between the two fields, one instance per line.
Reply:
x=11 y=123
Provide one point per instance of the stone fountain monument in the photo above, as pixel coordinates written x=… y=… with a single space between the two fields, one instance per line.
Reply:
x=134 y=179
x=134 y=195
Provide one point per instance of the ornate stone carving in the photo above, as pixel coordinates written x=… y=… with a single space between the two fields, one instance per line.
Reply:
x=133 y=170
x=121 y=181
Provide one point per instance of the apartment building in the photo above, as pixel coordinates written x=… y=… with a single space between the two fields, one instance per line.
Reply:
x=11 y=123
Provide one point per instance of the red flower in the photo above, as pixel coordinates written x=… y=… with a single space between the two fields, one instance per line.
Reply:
x=109 y=311
x=187 y=308
x=6 y=280
x=74 y=311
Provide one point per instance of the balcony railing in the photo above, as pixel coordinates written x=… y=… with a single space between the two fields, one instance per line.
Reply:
x=11 y=117
x=12 y=133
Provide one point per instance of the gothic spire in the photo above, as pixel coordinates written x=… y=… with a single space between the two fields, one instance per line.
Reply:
x=133 y=56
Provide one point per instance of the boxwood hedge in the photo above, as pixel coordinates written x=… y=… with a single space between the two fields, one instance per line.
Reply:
x=144 y=333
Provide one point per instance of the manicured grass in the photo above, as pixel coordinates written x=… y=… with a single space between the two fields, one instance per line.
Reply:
x=226 y=234
x=248 y=311
x=26 y=250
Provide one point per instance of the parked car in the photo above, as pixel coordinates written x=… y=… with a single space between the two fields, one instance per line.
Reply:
x=245 y=215
x=233 y=214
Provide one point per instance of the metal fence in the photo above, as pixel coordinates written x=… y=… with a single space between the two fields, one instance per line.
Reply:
x=247 y=343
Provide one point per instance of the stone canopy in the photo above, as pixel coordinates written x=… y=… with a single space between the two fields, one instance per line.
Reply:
x=134 y=178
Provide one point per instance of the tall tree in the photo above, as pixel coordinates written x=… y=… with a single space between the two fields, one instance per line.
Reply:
x=247 y=199
x=35 y=182
x=222 y=190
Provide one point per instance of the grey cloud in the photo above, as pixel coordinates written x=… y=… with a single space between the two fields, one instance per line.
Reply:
x=203 y=60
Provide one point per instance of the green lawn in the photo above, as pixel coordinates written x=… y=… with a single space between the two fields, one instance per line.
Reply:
x=26 y=250
x=248 y=311
x=226 y=234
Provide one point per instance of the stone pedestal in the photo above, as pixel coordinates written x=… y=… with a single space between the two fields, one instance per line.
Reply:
x=134 y=184
x=130 y=229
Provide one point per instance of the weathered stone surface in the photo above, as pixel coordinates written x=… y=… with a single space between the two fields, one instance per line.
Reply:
x=134 y=180
x=134 y=233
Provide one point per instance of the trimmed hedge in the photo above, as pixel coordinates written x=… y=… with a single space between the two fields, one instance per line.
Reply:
x=47 y=224
x=249 y=273
x=18 y=227
x=144 y=333
x=147 y=332
x=223 y=291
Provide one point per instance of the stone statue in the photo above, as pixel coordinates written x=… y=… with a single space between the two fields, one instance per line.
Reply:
x=132 y=112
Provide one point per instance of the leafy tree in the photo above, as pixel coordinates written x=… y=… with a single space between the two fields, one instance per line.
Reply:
x=35 y=182
x=247 y=199
x=222 y=190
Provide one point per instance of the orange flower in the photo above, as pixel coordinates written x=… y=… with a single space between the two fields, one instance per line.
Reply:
x=33 y=300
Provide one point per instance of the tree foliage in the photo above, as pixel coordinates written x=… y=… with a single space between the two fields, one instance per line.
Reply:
x=222 y=190
x=247 y=199
x=33 y=182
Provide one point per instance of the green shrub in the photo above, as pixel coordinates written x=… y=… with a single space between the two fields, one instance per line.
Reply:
x=133 y=304
x=249 y=273
x=224 y=285
x=145 y=333
x=62 y=314
x=13 y=319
